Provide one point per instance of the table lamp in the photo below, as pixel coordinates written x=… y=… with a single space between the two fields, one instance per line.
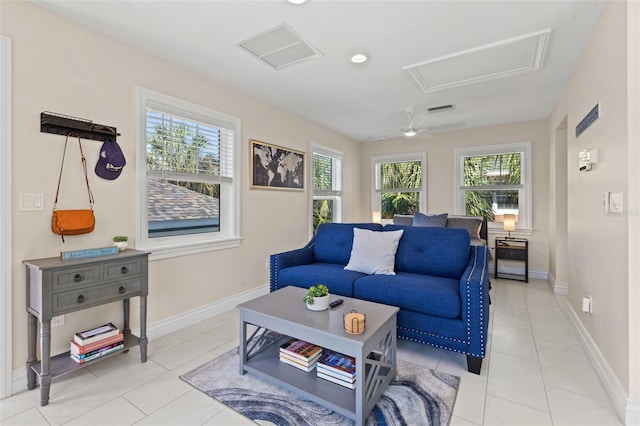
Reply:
x=509 y=223
x=376 y=217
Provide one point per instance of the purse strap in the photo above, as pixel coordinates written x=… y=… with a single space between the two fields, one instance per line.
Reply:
x=84 y=168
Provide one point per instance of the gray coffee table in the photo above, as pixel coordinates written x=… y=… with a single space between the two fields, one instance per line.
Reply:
x=284 y=312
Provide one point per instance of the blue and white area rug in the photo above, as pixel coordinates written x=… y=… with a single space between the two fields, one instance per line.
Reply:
x=417 y=396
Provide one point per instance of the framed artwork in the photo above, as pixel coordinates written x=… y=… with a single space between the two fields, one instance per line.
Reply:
x=276 y=167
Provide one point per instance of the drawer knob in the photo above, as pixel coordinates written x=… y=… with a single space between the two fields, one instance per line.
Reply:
x=80 y=298
x=124 y=270
x=77 y=278
x=121 y=290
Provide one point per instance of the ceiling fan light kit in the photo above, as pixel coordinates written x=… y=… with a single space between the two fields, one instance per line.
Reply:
x=359 y=58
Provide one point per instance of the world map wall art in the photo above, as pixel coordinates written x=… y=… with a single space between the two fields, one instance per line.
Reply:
x=276 y=167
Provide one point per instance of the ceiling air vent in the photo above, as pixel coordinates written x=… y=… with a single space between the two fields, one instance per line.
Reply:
x=441 y=108
x=280 y=47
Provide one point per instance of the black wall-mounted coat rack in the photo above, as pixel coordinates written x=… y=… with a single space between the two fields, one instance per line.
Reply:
x=60 y=124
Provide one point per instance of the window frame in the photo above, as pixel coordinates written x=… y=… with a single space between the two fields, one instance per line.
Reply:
x=337 y=199
x=229 y=235
x=376 y=196
x=525 y=218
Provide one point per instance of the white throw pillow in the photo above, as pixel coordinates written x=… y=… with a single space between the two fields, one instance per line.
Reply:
x=374 y=252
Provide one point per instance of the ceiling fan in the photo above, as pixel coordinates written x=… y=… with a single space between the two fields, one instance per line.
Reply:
x=415 y=121
x=415 y=127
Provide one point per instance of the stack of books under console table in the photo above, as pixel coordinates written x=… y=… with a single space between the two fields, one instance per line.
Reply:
x=56 y=287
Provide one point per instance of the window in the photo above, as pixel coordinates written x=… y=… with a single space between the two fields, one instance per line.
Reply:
x=326 y=169
x=188 y=185
x=399 y=184
x=495 y=180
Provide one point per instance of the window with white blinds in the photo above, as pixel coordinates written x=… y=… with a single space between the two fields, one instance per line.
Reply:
x=326 y=172
x=190 y=185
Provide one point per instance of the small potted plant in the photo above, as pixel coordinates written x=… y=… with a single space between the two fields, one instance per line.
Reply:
x=317 y=298
x=121 y=242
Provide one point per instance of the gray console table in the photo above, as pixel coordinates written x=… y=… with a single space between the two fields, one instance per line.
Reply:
x=284 y=312
x=56 y=287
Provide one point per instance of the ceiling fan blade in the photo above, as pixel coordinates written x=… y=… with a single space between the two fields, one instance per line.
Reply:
x=449 y=126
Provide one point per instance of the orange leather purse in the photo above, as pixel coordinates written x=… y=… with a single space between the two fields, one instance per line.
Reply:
x=73 y=222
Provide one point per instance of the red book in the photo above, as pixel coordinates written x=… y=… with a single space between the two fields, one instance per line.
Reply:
x=300 y=349
x=77 y=349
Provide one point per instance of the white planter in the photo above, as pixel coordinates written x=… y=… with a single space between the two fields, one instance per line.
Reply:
x=122 y=245
x=319 y=303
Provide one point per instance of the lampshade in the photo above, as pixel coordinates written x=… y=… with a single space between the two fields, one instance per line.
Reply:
x=376 y=217
x=509 y=222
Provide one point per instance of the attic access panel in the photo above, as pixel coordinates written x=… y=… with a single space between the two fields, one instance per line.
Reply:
x=502 y=59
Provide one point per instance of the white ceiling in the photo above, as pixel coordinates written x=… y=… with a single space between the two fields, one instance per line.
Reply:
x=365 y=101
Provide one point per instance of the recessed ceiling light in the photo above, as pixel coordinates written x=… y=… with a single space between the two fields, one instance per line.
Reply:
x=297 y=1
x=359 y=58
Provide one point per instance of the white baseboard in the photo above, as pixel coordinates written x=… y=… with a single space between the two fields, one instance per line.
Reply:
x=558 y=288
x=169 y=325
x=633 y=413
x=625 y=408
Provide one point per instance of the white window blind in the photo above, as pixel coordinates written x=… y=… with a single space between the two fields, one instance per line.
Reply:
x=327 y=175
x=183 y=147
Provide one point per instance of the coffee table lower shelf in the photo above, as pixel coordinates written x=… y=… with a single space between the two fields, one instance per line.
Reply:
x=267 y=365
x=280 y=313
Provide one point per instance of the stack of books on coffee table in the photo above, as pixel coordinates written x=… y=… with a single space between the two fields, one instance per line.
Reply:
x=337 y=368
x=300 y=354
x=95 y=343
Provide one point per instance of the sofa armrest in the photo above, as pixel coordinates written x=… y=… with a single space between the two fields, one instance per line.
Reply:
x=474 y=294
x=278 y=261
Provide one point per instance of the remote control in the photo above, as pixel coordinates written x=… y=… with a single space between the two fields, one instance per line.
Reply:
x=336 y=303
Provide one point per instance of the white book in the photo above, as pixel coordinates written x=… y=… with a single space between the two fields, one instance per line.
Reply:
x=337 y=381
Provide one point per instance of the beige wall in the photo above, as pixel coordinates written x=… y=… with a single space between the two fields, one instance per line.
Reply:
x=440 y=174
x=598 y=243
x=633 y=160
x=64 y=67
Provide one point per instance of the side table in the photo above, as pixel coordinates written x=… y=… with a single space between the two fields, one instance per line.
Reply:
x=56 y=287
x=514 y=249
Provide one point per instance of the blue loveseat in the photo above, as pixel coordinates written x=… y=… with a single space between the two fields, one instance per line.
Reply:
x=441 y=282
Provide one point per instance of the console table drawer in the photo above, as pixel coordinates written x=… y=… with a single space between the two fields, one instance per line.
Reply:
x=74 y=277
x=99 y=294
x=511 y=253
x=122 y=269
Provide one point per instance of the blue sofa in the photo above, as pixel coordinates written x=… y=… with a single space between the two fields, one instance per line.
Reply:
x=441 y=283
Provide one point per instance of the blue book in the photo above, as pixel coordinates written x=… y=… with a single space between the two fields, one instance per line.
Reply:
x=338 y=362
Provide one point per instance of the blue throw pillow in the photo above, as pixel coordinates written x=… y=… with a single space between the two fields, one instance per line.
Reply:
x=438 y=220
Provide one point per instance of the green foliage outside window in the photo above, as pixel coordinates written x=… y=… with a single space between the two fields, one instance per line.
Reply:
x=180 y=148
x=406 y=177
x=489 y=172
x=322 y=213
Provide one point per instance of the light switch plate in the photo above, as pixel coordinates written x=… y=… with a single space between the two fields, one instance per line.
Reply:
x=616 y=203
x=31 y=202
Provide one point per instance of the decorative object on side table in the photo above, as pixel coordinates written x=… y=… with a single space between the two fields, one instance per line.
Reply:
x=317 y=298
x=509 y=224
x=355 y=322
x=120 y=241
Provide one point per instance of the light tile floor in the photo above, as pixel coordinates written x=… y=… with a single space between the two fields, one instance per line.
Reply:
x=535 y=374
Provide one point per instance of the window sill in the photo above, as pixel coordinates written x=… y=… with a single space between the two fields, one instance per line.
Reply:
x=516 y=233
x=174 y=250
